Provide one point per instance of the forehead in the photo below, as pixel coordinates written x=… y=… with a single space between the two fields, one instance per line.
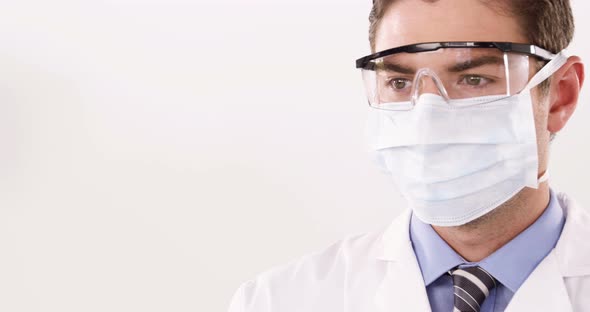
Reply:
x=414 y=21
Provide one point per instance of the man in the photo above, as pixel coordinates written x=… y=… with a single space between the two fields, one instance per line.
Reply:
x=465 y=97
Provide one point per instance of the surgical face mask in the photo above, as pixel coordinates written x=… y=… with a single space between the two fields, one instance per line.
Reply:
x=456 y=160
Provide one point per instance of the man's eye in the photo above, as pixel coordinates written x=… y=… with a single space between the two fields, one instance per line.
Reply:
x=475 y=81
x=399 y=83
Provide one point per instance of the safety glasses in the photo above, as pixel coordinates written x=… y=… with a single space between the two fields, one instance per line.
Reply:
x=454 y=70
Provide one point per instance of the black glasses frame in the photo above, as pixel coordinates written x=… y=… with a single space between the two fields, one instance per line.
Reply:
x=529 y=49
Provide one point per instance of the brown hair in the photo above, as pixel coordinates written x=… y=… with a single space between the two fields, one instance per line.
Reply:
x=547 y=23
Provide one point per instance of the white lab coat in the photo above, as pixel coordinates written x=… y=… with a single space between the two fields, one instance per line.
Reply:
x=379 y=272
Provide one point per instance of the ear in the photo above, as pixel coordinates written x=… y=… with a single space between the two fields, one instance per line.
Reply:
x=564 y=93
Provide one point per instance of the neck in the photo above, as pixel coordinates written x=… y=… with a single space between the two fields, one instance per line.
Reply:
x=478 y=239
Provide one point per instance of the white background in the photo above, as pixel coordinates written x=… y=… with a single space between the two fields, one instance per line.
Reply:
x=156 y=154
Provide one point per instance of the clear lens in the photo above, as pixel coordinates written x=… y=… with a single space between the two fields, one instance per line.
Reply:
x=392 y=82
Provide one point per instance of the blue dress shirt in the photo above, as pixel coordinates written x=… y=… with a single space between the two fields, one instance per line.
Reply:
x=510 y=265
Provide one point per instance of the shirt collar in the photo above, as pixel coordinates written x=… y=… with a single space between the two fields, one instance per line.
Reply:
x=510 y=265
x=435 y=256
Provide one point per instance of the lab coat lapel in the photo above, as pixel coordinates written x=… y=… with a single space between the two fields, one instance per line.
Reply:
x=544 y=290
x=573 y=248
x=402 y=285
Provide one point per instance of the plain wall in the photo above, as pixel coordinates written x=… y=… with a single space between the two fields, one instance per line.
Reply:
x=155 y=154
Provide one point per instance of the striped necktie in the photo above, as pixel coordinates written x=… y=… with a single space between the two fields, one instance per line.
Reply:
x=472 y=286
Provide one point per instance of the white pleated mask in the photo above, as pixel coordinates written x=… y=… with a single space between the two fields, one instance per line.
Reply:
x=455 y=162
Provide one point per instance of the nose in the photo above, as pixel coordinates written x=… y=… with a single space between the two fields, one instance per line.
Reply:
x=428 y=85
x=427 y=82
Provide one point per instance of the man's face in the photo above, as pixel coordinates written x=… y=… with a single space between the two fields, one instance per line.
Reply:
x=408 y=22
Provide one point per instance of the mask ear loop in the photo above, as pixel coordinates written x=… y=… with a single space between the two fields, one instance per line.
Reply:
x=547 y=70
x=544 y=74
x=544 y=177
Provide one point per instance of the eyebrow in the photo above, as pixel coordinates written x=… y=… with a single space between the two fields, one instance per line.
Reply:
x=397 y=68
x=477 y=62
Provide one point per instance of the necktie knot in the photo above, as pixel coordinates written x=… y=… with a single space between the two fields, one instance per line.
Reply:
x=472 y=286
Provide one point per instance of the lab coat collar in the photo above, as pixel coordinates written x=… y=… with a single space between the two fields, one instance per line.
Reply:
x=545 y=289
x=573 y=247
x=396 y=239
x=402 y=285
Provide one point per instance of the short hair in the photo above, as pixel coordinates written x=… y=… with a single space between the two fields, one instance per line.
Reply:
x=547 y=23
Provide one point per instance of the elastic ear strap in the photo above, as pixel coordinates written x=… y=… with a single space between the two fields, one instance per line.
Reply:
x=544 y=177
x=548 y=70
